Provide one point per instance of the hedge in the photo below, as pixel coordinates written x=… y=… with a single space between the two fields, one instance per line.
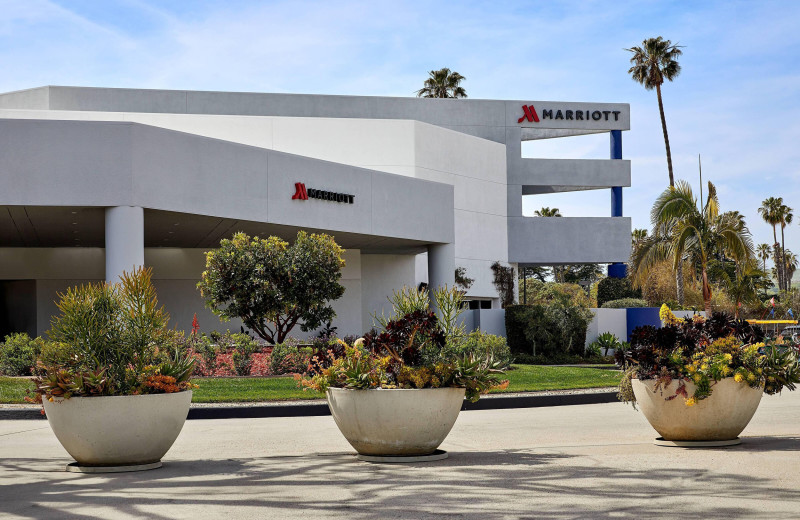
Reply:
x=609 y=289
x=624 y=303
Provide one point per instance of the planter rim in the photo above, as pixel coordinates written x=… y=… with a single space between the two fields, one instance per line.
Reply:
x=113 y=396
x=690 y=380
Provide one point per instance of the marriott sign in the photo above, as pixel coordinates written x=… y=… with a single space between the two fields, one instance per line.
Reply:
x=529 y=113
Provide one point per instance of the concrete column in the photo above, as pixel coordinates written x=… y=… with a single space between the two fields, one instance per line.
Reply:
x=124 y=240
x=441 y=267
x=617 y=270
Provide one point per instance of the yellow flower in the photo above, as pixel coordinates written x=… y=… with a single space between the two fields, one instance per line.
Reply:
x=751 y=377
x=691 y=401
x=738 y=378
x=703 y=367
x=728 y=357
x=698 y=378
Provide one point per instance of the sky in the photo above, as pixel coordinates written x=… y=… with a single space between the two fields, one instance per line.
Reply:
x=736 y=102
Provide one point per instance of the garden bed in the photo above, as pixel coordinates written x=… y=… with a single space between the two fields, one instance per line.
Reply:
x=523 y=378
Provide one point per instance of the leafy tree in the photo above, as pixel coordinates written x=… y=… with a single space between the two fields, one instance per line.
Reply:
x=547 y=212
x=770 y=211
x=443 y=83
x=743 y=285
x=462 y=280
x=504 y=283
x=610 y=289
x=655 y=61
x=696 y=232
x=580 y=272
x=272 y=286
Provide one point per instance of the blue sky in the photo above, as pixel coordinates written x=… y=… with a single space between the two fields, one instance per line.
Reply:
x=736 y=101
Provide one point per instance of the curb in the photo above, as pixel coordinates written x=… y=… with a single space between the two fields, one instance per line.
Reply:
x=320 y=409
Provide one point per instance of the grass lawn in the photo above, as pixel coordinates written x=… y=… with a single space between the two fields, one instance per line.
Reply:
x=12 y=389
x=526 y=378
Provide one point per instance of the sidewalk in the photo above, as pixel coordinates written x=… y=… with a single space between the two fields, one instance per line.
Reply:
x=566 y=462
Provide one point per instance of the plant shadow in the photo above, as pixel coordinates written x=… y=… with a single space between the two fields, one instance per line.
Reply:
x=470 y=485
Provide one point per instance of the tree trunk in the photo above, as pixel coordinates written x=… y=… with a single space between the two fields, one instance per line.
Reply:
x=786 y=282
x=679 y=283
x=775 y=246
x=706 y=293
x=666 y=136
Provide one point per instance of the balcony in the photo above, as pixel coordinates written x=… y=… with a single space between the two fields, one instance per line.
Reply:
x=568 y=240
x=554 y=175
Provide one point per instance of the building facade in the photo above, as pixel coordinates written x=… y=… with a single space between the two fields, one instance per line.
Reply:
x=94 y=181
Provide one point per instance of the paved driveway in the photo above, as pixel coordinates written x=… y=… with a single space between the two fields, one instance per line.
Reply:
x=569 y=462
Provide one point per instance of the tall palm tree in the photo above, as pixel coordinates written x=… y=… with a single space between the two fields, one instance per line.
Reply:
x=786 y=216
x=770 y=211
x=762 y=253
x=443 y=84
x=653 y=62
x=547 y=212
x=692 y=231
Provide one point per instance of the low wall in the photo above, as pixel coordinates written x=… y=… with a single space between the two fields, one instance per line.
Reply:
x=621 y=322
x=491 y=321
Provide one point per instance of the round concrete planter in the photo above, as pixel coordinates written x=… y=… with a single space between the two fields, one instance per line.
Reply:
x=720 y=417
x=395 y=422
x=129 y=430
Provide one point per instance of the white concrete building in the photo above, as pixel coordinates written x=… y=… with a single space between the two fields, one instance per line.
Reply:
x=94 y=181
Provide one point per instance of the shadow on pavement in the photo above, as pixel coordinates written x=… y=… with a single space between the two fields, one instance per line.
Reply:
x=469 y=485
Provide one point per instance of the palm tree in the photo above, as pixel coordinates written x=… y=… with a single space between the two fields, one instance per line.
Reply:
x=681 y=228
x=443 y=84
x=763 y=252
x=786 y=216
x=743 y=286
x=790 y=265
x=547 y=212
x=770 y=211
x=653 y=62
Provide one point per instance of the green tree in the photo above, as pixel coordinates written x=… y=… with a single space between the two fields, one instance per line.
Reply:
x=696 y=232
x=547 y=212
x=762 y=253
x=272 y=286
x=743 y=285
x=770 y=211
x=652 y=63
x=443 y=83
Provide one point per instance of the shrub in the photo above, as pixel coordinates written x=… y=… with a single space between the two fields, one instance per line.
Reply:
x=557 y=327
x=18 y=354
x=609 y=289
x=287 y=358
x=606 y=341
x=119 y=342
x=624 y=303
x=481 y=345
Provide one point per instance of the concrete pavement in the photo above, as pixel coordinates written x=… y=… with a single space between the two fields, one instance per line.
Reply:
x=568 y=462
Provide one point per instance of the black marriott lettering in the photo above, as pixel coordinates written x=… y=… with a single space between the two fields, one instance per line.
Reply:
x=329 y=195
x=581 y=115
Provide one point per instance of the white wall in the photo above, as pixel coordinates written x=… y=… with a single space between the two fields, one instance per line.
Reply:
x=380 y=276
x=475 y=167
x=614 y=321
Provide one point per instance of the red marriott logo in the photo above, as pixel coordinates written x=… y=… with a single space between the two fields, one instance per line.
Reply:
x=301 y=193
x=530 y=114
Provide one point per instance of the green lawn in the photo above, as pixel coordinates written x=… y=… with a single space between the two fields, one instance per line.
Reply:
x=525 y=378
x=12 y=389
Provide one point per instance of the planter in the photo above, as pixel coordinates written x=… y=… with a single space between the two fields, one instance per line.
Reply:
x=395 y=422
x=720 y=417
x=130 y=430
